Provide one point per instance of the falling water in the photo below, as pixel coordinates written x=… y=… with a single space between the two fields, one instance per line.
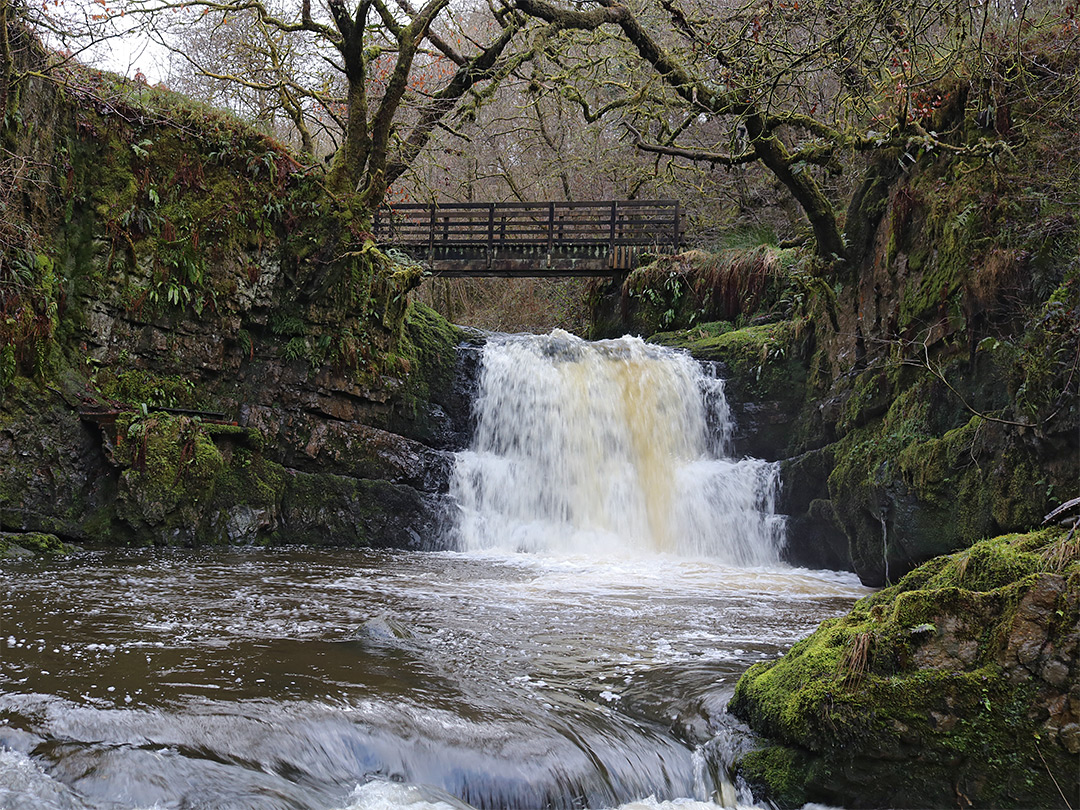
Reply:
x=608 y=448
x=885 y=547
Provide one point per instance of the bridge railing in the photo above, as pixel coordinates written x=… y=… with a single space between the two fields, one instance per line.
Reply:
x=553 y=225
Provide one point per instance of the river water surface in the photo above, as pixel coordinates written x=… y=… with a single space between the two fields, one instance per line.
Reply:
x=332 y=679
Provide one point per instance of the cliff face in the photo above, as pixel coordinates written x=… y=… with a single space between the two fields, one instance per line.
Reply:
x=920 y=400
x=196 y=347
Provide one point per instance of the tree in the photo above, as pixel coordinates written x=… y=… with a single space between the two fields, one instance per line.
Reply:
x=238 y=63
x=378 y=80
x=796 y=87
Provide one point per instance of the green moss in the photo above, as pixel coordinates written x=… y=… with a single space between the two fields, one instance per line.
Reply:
x=251 y=439
x=780 y=770
x=985 y=483
x=985 y=566
x=251 y=480
x=174 y=468
x=683 y=339
x=17 y=543
x=427 y=361
x=139 y=387
x=871 y=395
x=766 y=358
x=888 y=683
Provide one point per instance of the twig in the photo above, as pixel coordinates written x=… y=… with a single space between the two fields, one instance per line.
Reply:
x=937 y=373
x=1051 y=775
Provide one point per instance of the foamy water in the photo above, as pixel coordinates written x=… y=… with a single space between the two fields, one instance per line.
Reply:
x=608 y=448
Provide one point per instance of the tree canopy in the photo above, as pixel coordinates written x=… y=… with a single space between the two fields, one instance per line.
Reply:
x=799 y=87
x=807 y=89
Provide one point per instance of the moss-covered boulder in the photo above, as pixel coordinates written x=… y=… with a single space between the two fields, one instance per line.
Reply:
x=172 y=468
x=30 y=544
x=959 y=686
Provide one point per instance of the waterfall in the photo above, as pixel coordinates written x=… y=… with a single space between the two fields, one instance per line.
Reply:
x=607 y=448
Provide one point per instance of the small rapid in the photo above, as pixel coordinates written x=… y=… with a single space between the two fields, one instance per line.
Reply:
x=308 y=679
x=606 y=448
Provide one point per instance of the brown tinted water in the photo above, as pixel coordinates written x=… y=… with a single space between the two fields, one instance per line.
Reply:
x=327 y=678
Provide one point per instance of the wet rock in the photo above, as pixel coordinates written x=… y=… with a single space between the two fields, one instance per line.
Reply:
x=343 y=511
x=247 y=524
x=54 y=474
x=385 y=629
x=814 y=536
x=308 y=443
x=9 y=548
x=1069 y=736
x=961 y=680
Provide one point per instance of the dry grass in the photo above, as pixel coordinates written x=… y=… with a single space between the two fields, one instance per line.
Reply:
x=734 y=283
x=856 y=660
x=1063 y=551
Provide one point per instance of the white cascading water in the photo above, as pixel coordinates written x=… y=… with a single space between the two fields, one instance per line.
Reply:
x=608 y=448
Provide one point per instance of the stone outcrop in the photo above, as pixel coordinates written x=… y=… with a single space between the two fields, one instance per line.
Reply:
x=957 y=687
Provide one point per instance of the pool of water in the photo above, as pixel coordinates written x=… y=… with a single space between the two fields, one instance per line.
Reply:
x=305 y=678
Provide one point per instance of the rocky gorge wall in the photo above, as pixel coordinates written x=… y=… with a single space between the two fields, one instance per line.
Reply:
x=196 y=348
x=924 y=405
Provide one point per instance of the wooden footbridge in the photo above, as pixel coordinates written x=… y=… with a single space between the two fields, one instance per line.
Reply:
x=458 y=240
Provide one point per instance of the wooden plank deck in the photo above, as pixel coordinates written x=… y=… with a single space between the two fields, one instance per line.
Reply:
x=531 y=239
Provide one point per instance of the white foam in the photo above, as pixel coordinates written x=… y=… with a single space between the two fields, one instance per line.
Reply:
x=608 y=449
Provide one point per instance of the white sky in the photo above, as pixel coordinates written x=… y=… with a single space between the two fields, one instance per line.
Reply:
x=135 y=53
x=126 y=54
x=129 y=55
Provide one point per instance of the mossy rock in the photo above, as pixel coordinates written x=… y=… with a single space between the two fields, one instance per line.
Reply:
x=953 y=682
x=904 y=489
x=683 y=290
x=140 y=387
x=427 y=358
x=173 y=468
x=766 y=360
x=29 y=544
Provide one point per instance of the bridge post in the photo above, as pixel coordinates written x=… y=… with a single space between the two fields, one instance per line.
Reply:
x=431 y=237
x=611 y=238
x=676 y=236
x=550 y=232
x=491 y=234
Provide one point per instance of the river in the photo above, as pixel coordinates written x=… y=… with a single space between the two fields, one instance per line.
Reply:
x=573 y=645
